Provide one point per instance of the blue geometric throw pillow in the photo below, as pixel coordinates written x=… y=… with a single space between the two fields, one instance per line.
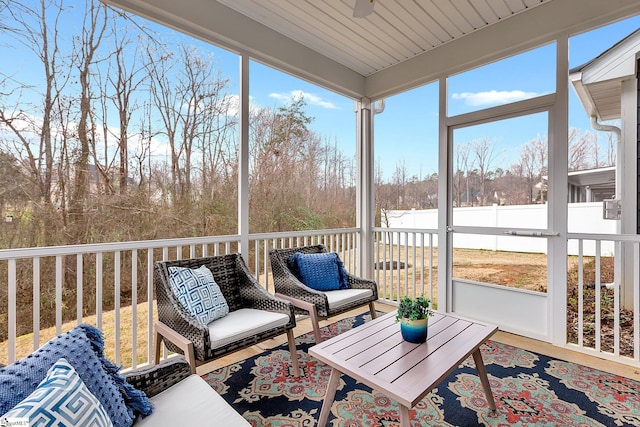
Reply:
x=61 y=399
x=198 y=293
x=320 y=271
x=83 y=348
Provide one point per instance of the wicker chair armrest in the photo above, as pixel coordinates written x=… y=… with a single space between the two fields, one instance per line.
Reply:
x=157 y=378
x=255 y=296
x=356 y=282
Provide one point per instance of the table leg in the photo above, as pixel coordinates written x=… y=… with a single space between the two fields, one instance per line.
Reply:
x=329 y=396
x=482 y=373
x=404 y=416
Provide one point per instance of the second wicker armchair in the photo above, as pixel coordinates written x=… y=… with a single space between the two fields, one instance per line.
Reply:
x=318 y=304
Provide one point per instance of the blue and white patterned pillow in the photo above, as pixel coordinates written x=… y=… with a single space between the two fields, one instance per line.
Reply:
x=61 y=399
x=83 y=347
x=198 y=293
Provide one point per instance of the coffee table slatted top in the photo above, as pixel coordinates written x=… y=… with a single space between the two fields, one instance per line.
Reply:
x=376 y=355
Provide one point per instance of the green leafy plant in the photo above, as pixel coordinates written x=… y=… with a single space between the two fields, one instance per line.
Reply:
x=414 y=308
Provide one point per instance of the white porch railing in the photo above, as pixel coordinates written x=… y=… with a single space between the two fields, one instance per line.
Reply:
x=608 y=314
x=67 y=285
x=63 y=286
x=404 y=263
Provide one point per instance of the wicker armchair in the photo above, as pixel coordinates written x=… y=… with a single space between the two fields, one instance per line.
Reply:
x=157 y=378
x=318 y=304
x=181 y=332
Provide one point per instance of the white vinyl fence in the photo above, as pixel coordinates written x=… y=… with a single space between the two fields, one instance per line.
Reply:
x=582 y=218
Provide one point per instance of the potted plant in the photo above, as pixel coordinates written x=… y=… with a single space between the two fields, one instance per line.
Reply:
x=413 y=315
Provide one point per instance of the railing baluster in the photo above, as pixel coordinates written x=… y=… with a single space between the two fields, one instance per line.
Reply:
x=134 y=308
x=59 y=279
x=116 y=301
x=598 y=302
x=616 y=306
x=11 y=310
x=79 y=288
x=36 y=302
x=150 y=319
x=265 y=264
x=99 y=290
x=431 y=266
x=580 y=293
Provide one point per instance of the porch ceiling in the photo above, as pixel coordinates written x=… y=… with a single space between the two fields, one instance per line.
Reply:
x=402 y=44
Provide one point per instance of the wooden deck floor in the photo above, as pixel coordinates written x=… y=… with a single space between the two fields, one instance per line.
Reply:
x=304 y=326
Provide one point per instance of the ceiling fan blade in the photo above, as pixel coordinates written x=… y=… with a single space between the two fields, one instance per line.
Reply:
x=363 y=8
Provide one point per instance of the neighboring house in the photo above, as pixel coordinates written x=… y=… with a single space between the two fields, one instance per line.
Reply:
x=592 y=185
x=608 y=90
x=607 y=87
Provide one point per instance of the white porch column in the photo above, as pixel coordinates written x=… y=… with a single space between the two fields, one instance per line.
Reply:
x=557 y=198
x=365 y=200
x=626 y=185
x=243 y=159
x=445 y=208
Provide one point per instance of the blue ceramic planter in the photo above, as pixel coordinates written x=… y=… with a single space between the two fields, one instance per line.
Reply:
x=414 y=331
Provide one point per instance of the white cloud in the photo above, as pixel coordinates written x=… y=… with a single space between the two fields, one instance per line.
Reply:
x=309 y=98
x=493 y=97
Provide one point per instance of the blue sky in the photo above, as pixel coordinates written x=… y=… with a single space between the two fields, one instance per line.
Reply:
x=406 y=132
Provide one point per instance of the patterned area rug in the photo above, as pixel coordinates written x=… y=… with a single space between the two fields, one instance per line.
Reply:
x=529 y=389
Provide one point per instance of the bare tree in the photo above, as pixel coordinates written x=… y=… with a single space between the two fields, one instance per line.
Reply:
x=400 y=183
x=579 y=148
x=484 y=152
x=463 y=168
x=125 y=74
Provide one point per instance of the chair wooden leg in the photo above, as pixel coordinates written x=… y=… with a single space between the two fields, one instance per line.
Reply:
x=372 y=309
x=156 y=346
x=307 y=306
x=313 y=315
x=293 y=353
x=184 y=344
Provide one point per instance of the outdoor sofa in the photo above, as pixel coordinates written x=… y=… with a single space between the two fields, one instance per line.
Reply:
x=45 y=386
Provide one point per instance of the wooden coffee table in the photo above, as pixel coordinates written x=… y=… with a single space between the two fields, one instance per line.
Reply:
x=376 y=355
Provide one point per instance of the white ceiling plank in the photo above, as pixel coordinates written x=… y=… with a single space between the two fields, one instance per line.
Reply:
x=470 y=13
x=500 y=8
x=380 y=34
x=485 y=11
x=436 y=13
x=515 y=6
x=532 y=3
x=461 y=22
x=334 y=40
x=409 y=26
x=427 y=20
x=416 y=26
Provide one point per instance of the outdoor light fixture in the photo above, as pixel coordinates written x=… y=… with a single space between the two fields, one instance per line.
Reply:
x=363 y=8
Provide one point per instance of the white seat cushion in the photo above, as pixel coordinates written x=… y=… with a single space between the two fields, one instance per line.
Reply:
x=343 y=297
x=191 y=402
x=243 y=323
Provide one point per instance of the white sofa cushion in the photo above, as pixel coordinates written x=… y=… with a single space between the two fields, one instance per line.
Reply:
x=343 y=297
x=243 y=323
x=191 y=402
